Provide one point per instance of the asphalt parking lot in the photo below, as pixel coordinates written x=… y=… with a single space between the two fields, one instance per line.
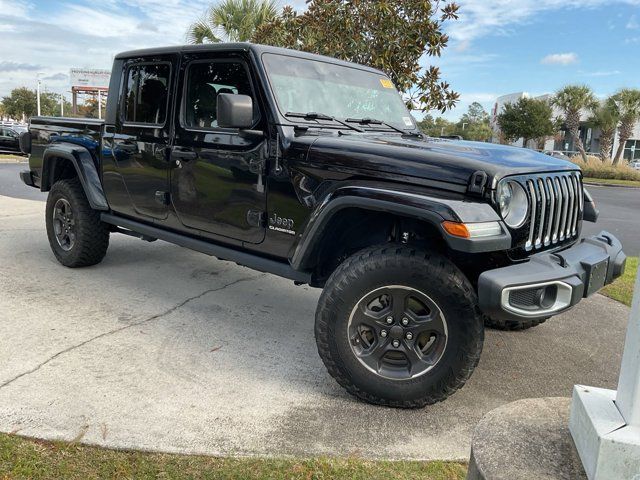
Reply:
x=165 y=349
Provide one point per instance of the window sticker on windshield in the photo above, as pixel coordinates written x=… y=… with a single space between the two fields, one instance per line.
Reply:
x=407 y=121
x=386 y=83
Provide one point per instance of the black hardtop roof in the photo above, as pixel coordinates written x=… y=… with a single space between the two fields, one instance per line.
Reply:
x=241 y=47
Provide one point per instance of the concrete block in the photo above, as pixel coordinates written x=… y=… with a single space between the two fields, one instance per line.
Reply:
x=609 y=448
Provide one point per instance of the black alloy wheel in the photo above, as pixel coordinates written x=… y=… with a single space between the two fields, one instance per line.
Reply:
x=64 y=225
x=397 y=332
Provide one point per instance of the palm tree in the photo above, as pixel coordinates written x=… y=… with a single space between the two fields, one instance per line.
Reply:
x=628 y=103
x=606 y=118
x=234 y=20
x=572 y=100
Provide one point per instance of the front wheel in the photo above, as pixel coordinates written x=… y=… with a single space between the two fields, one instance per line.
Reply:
x=76 y=235
x=398 y=326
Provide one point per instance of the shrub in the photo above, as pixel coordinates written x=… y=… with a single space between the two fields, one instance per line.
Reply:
x=594 y=168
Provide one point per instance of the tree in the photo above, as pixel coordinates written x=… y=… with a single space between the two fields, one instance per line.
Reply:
x=572 y=100
x=477 y=131
x=237 y=20
x=391 y=35
x=606 y=118
x=528 y=119
x=475 y=114
x=89 y=108
x=436 y=127
x=21 y=101
x=474 y=125
x=628 y=103
x=50 y=104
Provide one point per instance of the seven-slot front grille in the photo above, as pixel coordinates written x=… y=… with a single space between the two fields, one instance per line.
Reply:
x=556 y=208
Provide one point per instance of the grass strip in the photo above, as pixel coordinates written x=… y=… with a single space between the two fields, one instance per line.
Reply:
x=23 y=458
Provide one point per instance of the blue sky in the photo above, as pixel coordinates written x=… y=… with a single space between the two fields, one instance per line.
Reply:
x=507 y=46
x=497 y=46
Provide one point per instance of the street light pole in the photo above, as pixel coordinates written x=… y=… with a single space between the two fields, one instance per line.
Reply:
x=38 y=94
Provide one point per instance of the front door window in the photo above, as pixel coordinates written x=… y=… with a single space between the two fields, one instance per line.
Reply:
x=207 y=80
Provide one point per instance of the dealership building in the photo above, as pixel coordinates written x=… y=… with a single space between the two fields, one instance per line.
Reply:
x=563 y=141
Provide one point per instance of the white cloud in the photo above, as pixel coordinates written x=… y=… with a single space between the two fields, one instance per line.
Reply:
x=14 y=8
x=479 y=18
x=18 y=66
x=602 y=73
x=94 y=22
x=65 y=35
x=633 y=24
x=560 y=59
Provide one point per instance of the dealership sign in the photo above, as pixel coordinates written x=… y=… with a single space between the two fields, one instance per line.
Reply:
x=89 y=78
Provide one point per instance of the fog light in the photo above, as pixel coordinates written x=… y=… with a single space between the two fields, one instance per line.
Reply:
x=546 y=297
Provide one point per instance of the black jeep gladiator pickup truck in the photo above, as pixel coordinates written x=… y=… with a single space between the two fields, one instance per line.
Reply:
x=312 y=169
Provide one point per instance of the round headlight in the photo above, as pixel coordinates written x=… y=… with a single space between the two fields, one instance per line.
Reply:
x=513 y=203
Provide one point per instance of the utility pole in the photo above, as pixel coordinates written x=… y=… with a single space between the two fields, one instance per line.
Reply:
x=62 y=105
x=38 y=93
x=99 y=104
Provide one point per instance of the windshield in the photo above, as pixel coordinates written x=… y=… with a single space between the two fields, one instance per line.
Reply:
x=302 y=86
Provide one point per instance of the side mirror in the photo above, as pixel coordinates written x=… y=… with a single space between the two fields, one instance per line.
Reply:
x=234 y=111
x=591 y=213
x=25 y=142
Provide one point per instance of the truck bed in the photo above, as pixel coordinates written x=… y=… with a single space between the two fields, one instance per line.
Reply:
x=50 y=130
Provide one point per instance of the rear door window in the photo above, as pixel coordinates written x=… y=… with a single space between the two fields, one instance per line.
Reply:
x=146 y=93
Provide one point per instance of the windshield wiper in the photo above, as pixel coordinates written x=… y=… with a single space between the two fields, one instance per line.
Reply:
x=375 y=121
x=321 y=116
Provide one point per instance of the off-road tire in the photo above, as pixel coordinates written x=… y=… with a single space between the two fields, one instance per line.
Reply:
x=512 y=325
x=430 y=273
x=91 y=235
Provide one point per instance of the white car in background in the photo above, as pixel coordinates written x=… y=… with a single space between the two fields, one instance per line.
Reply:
x=635 y=165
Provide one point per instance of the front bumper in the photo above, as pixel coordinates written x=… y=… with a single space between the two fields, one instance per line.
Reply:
x=550 y=283
x=25 y=176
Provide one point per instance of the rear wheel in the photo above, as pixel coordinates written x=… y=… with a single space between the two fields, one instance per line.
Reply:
x=76 y=235
x=398 y=326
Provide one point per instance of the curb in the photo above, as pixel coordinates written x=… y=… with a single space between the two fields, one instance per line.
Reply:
x=13 y=160
x=598 y=184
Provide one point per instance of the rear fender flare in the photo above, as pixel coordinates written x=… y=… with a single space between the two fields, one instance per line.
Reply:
x=427 y=208
x=82 y=161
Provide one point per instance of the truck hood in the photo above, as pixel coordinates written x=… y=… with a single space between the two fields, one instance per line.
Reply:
x=452 y=161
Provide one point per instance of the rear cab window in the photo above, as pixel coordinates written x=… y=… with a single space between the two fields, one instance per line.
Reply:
x=146 y=93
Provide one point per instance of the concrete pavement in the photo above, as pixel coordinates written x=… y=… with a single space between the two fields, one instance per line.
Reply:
x=165 y=349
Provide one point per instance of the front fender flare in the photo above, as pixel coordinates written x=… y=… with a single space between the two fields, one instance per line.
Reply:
x=85 y=167
x=431 y=209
